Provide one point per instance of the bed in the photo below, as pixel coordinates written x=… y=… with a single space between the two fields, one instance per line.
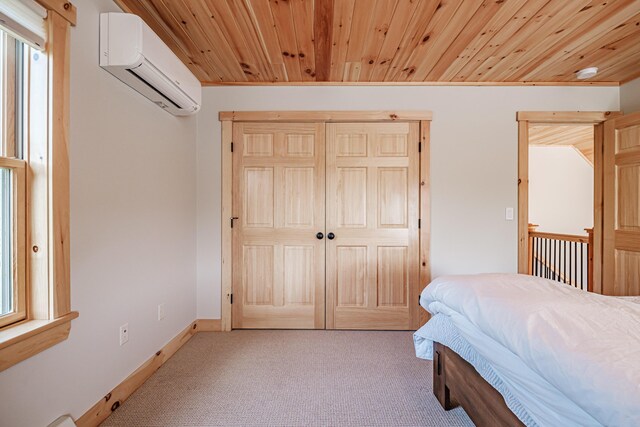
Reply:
x=522 y=350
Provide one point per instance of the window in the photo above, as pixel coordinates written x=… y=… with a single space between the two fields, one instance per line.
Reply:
x=12 y=181
x=35 y=309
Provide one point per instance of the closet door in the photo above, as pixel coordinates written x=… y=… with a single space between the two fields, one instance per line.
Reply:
x=278 y=197
x=372 y=213
x=621 y=189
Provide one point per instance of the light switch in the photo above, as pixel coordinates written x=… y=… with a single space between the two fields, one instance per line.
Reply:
x=508 y=214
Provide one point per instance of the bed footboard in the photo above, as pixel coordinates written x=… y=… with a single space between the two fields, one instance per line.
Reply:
x=457 y=383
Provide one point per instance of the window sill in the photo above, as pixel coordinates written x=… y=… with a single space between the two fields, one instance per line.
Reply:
x=26 y=339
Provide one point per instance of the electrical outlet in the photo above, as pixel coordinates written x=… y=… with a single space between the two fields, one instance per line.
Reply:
x=161 y=311
x=124 y=334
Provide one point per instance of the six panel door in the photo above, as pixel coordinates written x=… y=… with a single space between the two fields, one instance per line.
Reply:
x=278 y=197
x=372 y=210
x=621 y=231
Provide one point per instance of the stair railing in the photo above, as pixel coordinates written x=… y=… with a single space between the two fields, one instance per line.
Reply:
x=565 y=258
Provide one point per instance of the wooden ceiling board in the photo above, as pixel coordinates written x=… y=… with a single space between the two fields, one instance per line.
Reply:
x=396 y=41
x=557 y=29
x=360 y=27
x=516 y=36
x=444 y=12
x=632 y=73
x=478 y=40
x=200 y=43
x=267 y=37
x=342 y=16
x=205 y=17
x=284 y=26
x=590 y=52
x=580 y=33
x=414 y=36
x=488 y=56
x=378 y=30
x=559 y=134
x=578 y=136
x=628 y=65
x=249 y=63
x=303 y=24
x=533 y=33
x=404 y=12
x=612 y=62
x=322 y=31
x=442 y=58
x=256 y=38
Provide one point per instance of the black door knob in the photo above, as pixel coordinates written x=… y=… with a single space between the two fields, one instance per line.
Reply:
x=331 y=236
x=319 y=236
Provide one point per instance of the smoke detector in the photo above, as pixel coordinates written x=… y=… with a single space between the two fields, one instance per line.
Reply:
x=587 y=73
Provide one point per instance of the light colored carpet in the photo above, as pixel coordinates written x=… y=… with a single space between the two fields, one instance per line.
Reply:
x=290 y=378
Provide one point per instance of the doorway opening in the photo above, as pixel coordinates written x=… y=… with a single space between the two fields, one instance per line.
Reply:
x=543 y=253
x=561 y=208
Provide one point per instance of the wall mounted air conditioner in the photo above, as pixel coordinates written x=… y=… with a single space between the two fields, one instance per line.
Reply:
x=132 y=52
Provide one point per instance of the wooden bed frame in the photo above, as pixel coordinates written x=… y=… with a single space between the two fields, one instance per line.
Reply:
x=456 y=382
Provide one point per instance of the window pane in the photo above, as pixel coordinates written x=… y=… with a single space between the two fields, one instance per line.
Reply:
x=12 y=76
x=6 y=246
x=14 y=72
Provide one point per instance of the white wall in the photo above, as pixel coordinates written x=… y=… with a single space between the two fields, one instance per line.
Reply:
x=133 y=226
x=630 y=96
x=473 y=163
x=560 y=190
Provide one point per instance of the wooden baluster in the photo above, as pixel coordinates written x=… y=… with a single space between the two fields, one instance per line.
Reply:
x=548 y=258
x=537 y=255
x=563 y=261
x=589 y=259
x=552 y=262
x=564 y=266
x=571 y=261
x=582 y=265
x=575 y=264
x=556 y=259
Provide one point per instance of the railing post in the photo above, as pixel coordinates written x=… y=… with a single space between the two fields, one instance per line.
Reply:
x=532 y=228
x=589 y=260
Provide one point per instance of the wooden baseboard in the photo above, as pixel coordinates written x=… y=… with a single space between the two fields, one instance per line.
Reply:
x=209 y=325
x=112 y=401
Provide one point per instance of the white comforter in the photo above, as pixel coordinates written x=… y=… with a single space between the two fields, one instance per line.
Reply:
x=585 y=345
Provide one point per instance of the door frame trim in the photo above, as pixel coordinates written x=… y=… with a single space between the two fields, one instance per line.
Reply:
x=324 y=116
x=227 y=118
x=528 y=118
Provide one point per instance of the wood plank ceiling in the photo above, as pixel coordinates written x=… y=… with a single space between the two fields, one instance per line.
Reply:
x=400 y=41
x=579 y=137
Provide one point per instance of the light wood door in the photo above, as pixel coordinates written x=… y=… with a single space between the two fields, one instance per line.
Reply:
x=279 y=264
x=372 y=209
x=621 y=231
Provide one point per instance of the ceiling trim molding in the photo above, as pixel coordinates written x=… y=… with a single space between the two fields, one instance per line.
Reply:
x=314 y=83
